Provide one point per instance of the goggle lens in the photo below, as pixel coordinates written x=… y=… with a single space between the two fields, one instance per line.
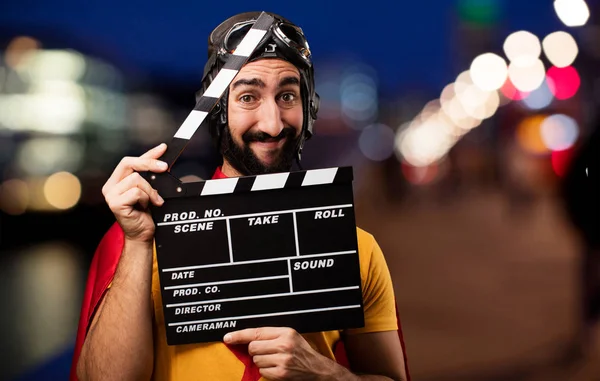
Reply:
x=294 y=36
x=236 y=34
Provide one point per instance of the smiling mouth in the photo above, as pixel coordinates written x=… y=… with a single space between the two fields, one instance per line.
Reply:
x=269 y=143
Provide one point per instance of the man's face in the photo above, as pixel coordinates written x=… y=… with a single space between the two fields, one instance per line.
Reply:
x=264 y=118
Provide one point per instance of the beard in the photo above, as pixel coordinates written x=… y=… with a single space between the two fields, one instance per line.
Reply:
x=245 y=161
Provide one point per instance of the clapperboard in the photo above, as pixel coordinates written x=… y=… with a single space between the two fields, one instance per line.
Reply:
x=268 y=250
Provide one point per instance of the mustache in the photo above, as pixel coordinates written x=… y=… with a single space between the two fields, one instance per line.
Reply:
x=262 y=137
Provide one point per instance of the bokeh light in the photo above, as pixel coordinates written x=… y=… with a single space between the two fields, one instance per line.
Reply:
x=430 y=109
x=559 y=132
x=529 y=137
x=522 y=48
x=560 y=48
x=45 y=155
x=420 y=175
x=425 y=143
x=503 y=99
x=561 y=161
x=572 y=12
x=447 y=95
x=19 y=49
x=446 y=125
x=527 y=78
x=59 y=91
x=539 y=98
x=62 y=190
x=359 y=96
x=509 y=91
x=48 y=276
x=49 y=106
x=489 y=71
x=53 y=65
x=456 y=113
x=476 y=103
x=564 y=82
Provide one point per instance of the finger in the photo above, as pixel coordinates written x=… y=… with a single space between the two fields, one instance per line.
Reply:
x=155 y=152
x=144 y=202
x=245 y=336
x=273 y=373
x=135 y=180
x=267 y=361
x=263 y=347
x=128 y=199
x=130 y=164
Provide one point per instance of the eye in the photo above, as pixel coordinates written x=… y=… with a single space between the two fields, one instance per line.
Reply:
x=288 y=97
x=246 y=98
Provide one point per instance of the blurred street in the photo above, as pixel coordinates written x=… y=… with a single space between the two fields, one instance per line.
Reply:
x=497 y=293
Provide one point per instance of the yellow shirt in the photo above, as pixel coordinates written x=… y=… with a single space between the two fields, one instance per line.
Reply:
x=214 y=361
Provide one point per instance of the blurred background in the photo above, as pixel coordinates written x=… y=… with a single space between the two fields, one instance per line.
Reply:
x=461 y=118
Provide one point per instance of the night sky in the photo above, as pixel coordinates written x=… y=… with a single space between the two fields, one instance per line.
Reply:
x=407 y=42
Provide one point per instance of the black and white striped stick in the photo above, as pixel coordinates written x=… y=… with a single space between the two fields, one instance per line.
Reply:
x=215 y=90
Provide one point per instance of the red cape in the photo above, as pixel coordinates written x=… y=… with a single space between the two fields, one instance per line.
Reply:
x=101 y=273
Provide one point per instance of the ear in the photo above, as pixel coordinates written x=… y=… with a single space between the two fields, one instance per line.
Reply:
x=314 y=105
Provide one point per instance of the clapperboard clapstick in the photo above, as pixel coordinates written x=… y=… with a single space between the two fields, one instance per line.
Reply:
x=268 y=250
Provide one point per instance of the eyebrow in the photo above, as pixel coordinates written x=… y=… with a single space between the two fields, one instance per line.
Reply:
x=259 y=83
x=248 y=82
x=289 y=81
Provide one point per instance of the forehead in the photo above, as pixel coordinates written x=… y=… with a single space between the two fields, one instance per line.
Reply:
x=268 y=69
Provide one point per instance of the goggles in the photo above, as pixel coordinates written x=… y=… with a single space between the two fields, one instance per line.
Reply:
x=290 y=35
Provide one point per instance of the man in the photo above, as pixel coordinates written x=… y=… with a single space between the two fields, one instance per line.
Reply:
x=259 y=126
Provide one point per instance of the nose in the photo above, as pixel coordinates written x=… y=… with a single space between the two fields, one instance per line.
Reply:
x=270 y=118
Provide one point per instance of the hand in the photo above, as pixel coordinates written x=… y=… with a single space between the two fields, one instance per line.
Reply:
x=282 y=353
x=128 y=195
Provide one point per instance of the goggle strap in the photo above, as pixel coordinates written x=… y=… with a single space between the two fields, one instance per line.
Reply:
x=207 y=101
